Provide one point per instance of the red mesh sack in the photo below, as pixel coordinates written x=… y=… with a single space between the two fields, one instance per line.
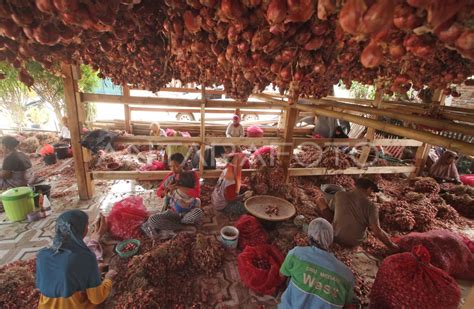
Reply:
x=254 y=131
x=259 y=268
x=126 y=217
x=251 y=232
x=448 y=251
x=408 y=280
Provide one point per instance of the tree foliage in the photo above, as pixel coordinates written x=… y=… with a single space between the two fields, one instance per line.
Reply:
x=48 y=86
x=14 y=95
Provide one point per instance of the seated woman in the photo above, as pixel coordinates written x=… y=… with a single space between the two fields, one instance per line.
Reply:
x=210 y=155
x=67 y=273
x=174 y=148
x=445 y=170
x=184 y=209
x=65 y=134
x=226 y=196
x=16 y=168
x=235 y=129
x=317 y=278
x=176 y=163
x=156 y=130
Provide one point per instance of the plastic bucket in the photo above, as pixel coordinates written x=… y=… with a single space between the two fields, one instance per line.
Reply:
x=330 y=190
x=50 y=159
x=229 y=236
x=18 y=203
x=62 y=151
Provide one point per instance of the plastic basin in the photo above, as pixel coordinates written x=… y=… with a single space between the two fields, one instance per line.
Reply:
x=18 y=203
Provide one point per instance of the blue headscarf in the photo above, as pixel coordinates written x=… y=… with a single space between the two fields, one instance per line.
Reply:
x=68 y=265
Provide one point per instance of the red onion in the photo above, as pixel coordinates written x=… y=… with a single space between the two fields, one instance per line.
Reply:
x=466 y=40
x=303 y=37
x=319 y=68
x=372 y=56
x=25 y=78
x=9 y=29
x=66 y=5
x=285 y=73
x=300 y=10
x=314 y=43
x=276 y=11
x=208 y=3
x=396 y=51
x=439 y=11
x=418 y=3
x=379 y=15
x=405 y=18
x=449 y=32
x=191 y=22
x=232 y=9
x=351 y=15
x=325 y=8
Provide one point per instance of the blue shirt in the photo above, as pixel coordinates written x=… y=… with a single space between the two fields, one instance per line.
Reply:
x=318 y=280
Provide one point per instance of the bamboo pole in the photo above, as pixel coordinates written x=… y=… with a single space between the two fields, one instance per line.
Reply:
x=462 y=147
x=419 y=120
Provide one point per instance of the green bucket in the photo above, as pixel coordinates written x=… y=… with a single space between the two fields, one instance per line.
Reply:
x=18 y=202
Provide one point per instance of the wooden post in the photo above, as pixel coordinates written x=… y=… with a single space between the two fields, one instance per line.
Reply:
x=202 y=132
x=126 y=110
x=423 y=151
x=74 y=112
x=371 y=131
x=287 y=149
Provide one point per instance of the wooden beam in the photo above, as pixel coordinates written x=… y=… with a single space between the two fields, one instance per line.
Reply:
x=398 y=104
x=370 y=135
x=355 y=142
x=202 y=132
x=420 y=159
x=191 y=90
x=317 y=171
x=249 y=141
x=118 y=99
x=440 y=124
x=126 y=110
x=462 y=147
x=84 y=183
x=154 y=175
x=197 y=110
x=156 y=140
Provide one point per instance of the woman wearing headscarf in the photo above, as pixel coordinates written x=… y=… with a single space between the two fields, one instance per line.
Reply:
x=317 y=278
x=226 y=196
x=445 y=170
x=16 y=167
x=67 y=273
x=235 y=129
